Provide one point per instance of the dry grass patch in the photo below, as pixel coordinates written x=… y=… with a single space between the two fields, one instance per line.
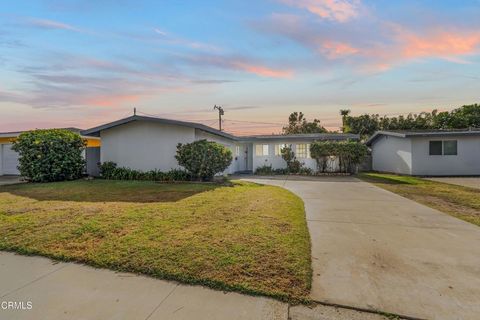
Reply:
x=458 y=201
x=244 y=237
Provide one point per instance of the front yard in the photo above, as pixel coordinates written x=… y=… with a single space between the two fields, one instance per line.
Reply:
x=458 y=201
x=245 y=237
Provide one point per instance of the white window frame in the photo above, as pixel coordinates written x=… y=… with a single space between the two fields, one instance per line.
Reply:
x=261 y=150
x=302 y=155
x=279 y=147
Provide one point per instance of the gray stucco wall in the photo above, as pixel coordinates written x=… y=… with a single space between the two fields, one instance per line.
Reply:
x=144 y=145
x=392 y=154
x=466 y=162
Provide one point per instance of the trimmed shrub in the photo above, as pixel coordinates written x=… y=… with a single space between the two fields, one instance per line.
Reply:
x=110 y=171
x=50 y=155
x=203 y=159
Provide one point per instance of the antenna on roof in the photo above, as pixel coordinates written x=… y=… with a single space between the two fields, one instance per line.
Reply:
x=134 y=111
x=220 y=114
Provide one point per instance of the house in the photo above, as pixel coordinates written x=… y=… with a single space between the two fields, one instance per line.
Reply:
x=9 y=158
x=426 y=153
x=147 y=143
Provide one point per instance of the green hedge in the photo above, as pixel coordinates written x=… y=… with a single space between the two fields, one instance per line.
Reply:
x=50 y=155
x=350 y=154
x=110 y=171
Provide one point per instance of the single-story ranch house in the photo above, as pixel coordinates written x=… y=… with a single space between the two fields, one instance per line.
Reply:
x=146 y=143
x=9 y=158
x=426 y=153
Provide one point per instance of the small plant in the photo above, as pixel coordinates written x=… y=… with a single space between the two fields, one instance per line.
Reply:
x=110 y=171
x=293 y=165
x=264 y=170
x=203 y=159
x=50 y=155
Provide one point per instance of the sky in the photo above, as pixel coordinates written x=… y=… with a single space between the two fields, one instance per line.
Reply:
x=72 y=63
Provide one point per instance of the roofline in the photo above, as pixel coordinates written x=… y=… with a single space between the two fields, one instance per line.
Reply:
x=96 y=130
x=315 y=136
x=407 y=134
x=14 y=134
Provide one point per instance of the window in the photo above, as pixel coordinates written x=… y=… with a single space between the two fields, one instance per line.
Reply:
x=445 y=147
x=303 y=150
x=261 y=149
x=435 y=148
x=237 y=151
x=278 y=148
x=450 y=147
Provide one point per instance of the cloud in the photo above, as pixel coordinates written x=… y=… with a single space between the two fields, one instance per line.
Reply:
x=373 y=46
x=172 y=39
x=236 y=63
x=336 y=10
x=333 y=49
x=262 y=71
x=50 y=24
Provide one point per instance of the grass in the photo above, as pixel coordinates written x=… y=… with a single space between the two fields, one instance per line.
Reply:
x=458 y=201
x=243 y=237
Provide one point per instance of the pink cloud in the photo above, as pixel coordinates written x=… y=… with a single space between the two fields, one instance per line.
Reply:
x=262 y=70
x=336 y=10
x=441 y=44
x=334 y=50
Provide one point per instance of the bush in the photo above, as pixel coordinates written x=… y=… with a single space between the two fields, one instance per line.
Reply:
x=293 y=165
x=203 y=159
x=349 y=154
x=264 y=170
x=50 y=155
x=110 y=171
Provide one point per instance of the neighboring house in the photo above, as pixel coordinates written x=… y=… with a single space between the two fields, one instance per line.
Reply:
x=146 y=143
x=426 y=153
x=9 y=158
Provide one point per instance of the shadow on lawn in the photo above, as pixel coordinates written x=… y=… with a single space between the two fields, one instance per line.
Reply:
x=108 y=191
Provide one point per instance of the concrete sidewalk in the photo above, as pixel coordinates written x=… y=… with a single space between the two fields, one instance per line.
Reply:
x=377 y=250
x=72 y=291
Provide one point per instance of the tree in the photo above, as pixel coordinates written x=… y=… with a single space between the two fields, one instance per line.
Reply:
x=467 y=116
x=50 y=155
x=344 y=113
x=203 y=159
x=297 y=123
x=293 y=165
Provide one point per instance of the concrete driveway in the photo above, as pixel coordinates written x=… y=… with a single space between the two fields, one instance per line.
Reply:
x=472 y=182
x=376 y=250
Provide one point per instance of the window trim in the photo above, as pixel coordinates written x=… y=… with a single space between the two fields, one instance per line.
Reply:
x=442 y=151
x=307 y=151
x=261 y=147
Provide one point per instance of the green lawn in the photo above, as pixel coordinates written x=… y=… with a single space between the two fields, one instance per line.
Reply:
x=244 y=237
x=458 y=201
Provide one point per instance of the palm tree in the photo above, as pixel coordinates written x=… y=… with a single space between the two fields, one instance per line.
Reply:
x=344 y=113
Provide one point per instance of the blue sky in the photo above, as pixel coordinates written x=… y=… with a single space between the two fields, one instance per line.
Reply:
x=83 y=63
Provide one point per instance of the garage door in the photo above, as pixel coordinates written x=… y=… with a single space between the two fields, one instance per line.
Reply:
x=9 y=160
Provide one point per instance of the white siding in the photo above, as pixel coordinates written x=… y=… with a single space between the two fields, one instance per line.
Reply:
x=466 y=162
x=144 y=145
x=392 y=154
x=276 y=161
x=8 y=160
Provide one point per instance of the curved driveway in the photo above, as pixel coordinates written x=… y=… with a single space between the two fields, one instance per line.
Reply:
x=376 y=250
